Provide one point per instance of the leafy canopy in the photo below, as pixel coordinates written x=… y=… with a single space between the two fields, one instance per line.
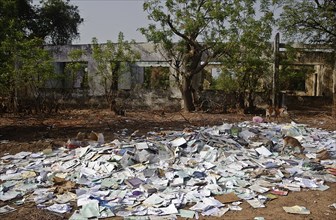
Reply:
x=54 y=21
x=29 y=66
x=309 y=20
x=58 y=22
x=194 y=33
x=112 y=60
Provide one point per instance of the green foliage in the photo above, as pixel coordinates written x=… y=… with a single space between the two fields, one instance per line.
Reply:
x=293 y=78
x=193 y=33
x=309 y=21
x=16 y=16
x=226 y=81
x=112 y=59
x=57 y=22
x=27 y=68
x=251 y=61
x=75 y=67
x=156 y=78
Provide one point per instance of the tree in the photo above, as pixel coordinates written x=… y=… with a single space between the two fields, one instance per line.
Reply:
x=76 y=70
x=27 y=68
x=15 y=15
x=112 y=60
x=24 y=30
x=311 y=21
x=251 y=62
x=54 y=21
x=57 y=22
x=193 y=33
x=14 y=23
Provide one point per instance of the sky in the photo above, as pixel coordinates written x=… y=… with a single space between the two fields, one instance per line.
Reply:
x=104 y=19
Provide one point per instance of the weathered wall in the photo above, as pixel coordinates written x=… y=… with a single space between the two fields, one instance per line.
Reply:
x=216 y=100
x=142 y=99
x=319 y=83
x=307 y=102
x=138 y=99
x=127 y=80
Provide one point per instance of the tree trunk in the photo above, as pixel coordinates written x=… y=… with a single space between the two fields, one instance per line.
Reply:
x=334 y=90
x=114 y=83
x=275 y=89
x=113 y=91
x=334 y=106
x=114 y=87
x=15 y=93
x=250 y=100
x=186 y=91
x=115 y=77
x=241 y=100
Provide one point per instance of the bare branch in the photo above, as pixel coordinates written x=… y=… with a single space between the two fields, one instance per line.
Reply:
x=319 y=26
x=169 y=22
x=318 y=3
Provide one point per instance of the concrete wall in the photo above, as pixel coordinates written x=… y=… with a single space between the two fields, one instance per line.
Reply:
x=137 y=99
x=217 y=100
x=307 y=102
x=317 y=84
x=127 y=80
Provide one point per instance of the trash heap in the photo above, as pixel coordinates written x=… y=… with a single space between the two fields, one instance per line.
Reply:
x=172 y=173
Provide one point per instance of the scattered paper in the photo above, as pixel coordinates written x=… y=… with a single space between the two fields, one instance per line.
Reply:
x=59 y=208
x=332 y=205
x=6 y=209
x=178 y=142
x=235 y=208
x=152 y=177
x=255 y=203
x=153 y=200
x=9 y=195
x=171 y=209
x=187 y=213
x=297 y=210
x=263 y=151
x=90 y=209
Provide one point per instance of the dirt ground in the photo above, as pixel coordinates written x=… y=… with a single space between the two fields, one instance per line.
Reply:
x=37 y=132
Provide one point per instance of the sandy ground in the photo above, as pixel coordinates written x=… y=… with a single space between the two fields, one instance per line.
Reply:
x=37 y=132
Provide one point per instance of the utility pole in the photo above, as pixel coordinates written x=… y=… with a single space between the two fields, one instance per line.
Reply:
x=275 y=90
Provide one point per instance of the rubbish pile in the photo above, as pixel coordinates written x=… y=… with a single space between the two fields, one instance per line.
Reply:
x=172 y=173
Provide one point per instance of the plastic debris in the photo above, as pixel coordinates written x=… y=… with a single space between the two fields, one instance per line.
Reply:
x=257 y=119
